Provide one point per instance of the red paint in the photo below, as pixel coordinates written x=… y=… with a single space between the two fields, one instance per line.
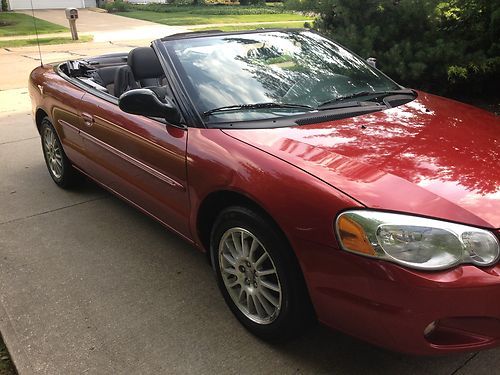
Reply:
x=432 y=157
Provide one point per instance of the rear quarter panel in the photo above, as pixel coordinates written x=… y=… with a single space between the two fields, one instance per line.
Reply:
x=60 y=100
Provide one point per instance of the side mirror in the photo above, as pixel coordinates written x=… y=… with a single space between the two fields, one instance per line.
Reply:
x=372 y=61
x=146 y=102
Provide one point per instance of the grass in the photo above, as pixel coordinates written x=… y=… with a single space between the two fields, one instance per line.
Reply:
x=32 y=42
x=281 y=25
x=186 y=18
x=12 y=24
x=6 y=366
x=209 y=14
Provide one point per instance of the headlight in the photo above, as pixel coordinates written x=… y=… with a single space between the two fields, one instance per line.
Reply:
x=415 y=242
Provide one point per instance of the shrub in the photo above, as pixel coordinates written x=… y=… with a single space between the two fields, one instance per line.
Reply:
x=117 y=6
x=252 y=2
x=442 y=46
x=476 y=79
x=5 y=6
x=215 y=9
x=184 y=2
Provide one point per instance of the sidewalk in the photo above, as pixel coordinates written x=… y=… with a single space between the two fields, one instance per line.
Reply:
x=106 y=27
x=53 y=35
x=20 y=61
x=111 y=34
x=117 y=35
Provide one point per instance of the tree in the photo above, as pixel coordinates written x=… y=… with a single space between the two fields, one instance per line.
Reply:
x=441 y=46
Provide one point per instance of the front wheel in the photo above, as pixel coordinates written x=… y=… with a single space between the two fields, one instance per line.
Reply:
x=258 y=275
x=58 y=164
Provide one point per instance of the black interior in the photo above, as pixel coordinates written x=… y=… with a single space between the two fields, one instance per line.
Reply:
x=118 y=73
x=143 y=69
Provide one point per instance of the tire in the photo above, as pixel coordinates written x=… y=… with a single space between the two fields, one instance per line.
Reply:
x=58 y=164
x=247 y=278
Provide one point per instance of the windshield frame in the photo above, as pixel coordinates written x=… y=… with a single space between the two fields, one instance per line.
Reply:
x=183 y=83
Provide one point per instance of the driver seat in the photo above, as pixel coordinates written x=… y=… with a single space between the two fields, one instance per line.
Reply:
x=143 y=69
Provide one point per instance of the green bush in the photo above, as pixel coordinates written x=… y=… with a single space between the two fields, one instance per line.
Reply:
x=183 y=3
x=5 y=6
x=252 y=2
x=215 y=9
x=117 y=6
x=448 y=47
x=476 y=79
x=303 y=5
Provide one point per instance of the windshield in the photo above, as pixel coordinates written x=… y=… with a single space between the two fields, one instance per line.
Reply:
x=283 y=67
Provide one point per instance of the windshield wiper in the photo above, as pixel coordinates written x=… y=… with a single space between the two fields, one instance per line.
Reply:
x=375 y=94
x=244 y=107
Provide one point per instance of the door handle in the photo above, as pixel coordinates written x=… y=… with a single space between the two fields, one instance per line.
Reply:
x=88 y=120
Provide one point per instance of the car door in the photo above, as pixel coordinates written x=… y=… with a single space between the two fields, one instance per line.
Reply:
x=139 y=158
x=65 y=117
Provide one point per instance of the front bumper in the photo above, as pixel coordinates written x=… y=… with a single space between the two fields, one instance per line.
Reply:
x=404 y=310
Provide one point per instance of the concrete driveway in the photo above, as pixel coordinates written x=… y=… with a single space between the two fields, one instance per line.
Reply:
x=90 y=285
x=109 y=27
x=17 y=63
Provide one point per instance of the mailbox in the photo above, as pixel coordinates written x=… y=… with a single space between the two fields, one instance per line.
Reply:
x=72 y=16
x=71 y=13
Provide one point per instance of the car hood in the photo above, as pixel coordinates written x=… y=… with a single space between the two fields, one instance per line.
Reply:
x=433 y=157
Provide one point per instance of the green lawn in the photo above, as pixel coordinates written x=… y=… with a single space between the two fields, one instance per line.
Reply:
x=186 y=18
x=209 y=14
x=20 y=24
x=31 y=42
x=281 y=25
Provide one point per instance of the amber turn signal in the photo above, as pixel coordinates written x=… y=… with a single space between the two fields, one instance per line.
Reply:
x=353 y=236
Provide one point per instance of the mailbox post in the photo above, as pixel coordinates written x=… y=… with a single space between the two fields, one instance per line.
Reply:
x=72 y=16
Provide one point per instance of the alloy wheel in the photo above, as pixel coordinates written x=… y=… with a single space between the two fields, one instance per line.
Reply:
x=53 y=152
x=250 y=276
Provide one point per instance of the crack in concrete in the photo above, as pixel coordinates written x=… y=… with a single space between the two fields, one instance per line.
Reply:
x=29 y=57
x=18 y=140
x=465 y=363
x=121 y=44
x=76 y=53
x=53 y=210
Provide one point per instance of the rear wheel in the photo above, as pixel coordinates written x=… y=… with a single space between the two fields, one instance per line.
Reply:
x=58 y=164
x=258 y=275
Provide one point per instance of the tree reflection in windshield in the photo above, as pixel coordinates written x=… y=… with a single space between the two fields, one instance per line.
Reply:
x=298 y=67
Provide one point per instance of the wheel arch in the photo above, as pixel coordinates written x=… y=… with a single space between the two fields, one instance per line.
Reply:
x=40 y=114
x=214 y=203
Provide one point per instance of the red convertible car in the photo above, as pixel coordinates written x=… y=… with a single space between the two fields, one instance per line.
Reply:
x=319 y=188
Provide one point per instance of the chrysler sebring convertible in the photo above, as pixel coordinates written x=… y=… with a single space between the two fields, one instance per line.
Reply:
x=319 y=188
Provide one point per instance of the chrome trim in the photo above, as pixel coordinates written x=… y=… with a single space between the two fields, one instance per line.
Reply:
x=119 y=129
x=135 y=162
x=68 y=125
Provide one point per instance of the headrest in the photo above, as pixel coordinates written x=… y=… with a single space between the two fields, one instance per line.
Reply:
x=144 y=63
